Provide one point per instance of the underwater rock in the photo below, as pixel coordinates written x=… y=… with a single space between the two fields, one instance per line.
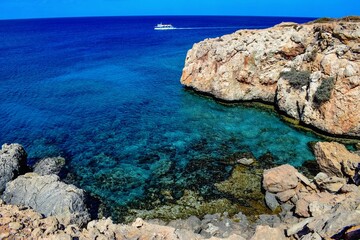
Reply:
x=49 y=196
x=191 y=203
x=12 y=162
x=244 y=184
x=246 y=161
x=48 y=166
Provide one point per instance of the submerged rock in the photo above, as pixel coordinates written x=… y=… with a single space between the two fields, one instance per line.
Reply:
x=191 y=203
x=49 y=196
x=12 y=162
x=49 y=166
x=309 y=71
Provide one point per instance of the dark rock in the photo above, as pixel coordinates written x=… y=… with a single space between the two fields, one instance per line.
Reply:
x=310 y=168
x=270 y=200
x=12 y=162
x=48 y=196
x=270 y=220
x=49 y=166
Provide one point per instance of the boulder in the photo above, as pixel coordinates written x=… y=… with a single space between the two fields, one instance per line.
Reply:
x=335 y=160
x=269 y=233
x=270 y=200
x=331 y=184
x=302 y=205
x=280 y=178
x=12 y=162
x=48 y=196
x=49 y=166
x=318 y=208
x=332 y=226
x=295 y=228
x=285 y=195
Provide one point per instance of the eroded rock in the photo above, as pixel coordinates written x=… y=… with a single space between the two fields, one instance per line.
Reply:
x=335 y=160
x=49 y=196
x=12 y=162
x=49 y=166
x=248 y=65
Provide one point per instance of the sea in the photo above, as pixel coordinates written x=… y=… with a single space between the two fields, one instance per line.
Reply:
x=105 y=94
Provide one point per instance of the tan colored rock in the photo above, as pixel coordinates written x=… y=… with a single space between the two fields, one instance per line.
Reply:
x=317 y=208
x=247 y=64
x=335 y=160
x=302 y=205
x=280 y=178
x=295 y=228
x=286 y=195
x=269 y=233
x=15 y=225
x=331 y=184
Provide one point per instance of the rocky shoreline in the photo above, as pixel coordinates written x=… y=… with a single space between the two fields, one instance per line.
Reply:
x=309 y=72
x=35 y=206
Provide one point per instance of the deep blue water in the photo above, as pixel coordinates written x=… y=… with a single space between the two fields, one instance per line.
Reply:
x=105 y=93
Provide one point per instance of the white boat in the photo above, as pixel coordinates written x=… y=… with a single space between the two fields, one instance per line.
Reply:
x=161 y=26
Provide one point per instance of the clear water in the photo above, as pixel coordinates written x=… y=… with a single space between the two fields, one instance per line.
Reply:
x=105 y=93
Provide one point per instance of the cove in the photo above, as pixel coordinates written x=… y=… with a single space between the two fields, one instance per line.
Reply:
x=105 y=94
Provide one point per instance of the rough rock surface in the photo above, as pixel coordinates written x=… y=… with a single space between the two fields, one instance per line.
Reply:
x=49 y=166
x=323 y=208
x=250 y=65
x=266 y=232
x=12 y=161
x=280 y=178
x=309 y=212
x=23 y=223
x=335 y=160
x=49 y=196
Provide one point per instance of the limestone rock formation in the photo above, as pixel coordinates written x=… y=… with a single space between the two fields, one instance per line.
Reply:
x=49 y=196
x=309 y=71
x=325 y=210
x=49 y=166
x=12 y=161
x=335 y=160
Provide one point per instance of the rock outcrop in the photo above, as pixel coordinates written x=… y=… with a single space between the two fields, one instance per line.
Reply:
x=335 y=160
x=322 y=208
x=48 y=196
x=311 y=72
x=48 y=166
x=12 y=161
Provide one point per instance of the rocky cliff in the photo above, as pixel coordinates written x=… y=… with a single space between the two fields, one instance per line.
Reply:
x=311 y=72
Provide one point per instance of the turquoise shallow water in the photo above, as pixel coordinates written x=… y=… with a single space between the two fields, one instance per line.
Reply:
x=105 y=93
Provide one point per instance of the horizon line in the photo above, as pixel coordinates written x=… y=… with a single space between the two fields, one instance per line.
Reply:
x=180 y=15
